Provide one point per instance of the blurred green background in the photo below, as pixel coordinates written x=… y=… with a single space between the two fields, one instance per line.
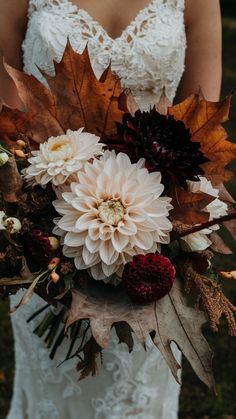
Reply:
x=196 y=401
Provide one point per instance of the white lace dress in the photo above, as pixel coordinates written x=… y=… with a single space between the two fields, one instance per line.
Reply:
x=148 y=55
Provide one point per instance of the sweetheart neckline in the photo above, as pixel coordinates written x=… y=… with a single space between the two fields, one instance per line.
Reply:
x=125 y=31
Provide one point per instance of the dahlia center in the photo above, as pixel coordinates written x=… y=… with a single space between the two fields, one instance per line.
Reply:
x=111 y=211
x=57 y=146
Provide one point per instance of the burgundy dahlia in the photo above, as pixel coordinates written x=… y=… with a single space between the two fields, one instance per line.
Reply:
x=164 y=142
x=148 y=277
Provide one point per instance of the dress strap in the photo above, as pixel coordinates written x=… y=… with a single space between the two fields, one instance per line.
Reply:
x=177 y=4
x=35 y=5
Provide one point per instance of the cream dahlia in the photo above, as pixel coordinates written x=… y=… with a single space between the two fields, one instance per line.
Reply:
x=61 y=157
x=199 y=241
x=113 y=212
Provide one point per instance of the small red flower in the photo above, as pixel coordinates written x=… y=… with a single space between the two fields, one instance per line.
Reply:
x=148 y=277
x=38 y=247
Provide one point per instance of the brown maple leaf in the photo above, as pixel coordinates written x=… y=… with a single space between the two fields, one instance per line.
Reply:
x=75 y=99
x=169 y=319
x=188 y=206
x=204 y=119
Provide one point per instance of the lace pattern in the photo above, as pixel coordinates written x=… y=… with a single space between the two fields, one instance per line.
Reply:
x=140 y=56
x=148 y=55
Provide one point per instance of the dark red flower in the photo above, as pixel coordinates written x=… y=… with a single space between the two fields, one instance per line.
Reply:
x=164 y=142
x=38 y=247
x=148 y=277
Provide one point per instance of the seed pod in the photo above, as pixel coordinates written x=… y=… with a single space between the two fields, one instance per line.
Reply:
x=21 y=143
x=54 y=242
x=53 y=263
x=20 y=154
x=54 y=277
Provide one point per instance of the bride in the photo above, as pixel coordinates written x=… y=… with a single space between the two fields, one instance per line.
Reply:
x=146 y=43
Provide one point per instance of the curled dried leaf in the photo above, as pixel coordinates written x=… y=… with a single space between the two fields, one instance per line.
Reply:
x=10 y=181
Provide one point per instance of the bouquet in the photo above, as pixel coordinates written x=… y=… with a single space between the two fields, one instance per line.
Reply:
x=113 y=215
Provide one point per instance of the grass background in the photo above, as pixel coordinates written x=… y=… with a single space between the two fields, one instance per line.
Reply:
x=196 y=401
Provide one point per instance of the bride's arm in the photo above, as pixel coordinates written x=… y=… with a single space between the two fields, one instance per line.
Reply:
x=203 y=55
x=13 y=19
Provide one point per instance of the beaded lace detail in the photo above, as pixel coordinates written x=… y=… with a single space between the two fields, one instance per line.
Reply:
x=147 y=56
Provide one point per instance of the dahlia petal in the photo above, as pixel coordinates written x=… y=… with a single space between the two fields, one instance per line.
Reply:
x=119 y=241
x=84 y=203
x=84 y=221
x=94 y=233
x=68 y=197
x=67 y=222
x=108 y=270
x=63 y=207
x=92 y=245
x=89 y=258
x=96 y=272
x=74 y=239
x=136 y=214
x=105 y=231
x=127 y=227
x=70 y=252
x=143 y=241
x=79 y=262
x=107 y=251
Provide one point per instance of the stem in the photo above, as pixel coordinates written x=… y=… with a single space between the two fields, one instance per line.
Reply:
x=37 y=313
x=208 y=224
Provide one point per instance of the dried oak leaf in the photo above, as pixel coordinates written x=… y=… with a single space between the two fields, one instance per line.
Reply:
x=75 y=99
x=204 y=119
x=170 y=319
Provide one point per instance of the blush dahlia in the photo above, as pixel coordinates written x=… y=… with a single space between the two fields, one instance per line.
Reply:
x=164 y=142
x=148 y=277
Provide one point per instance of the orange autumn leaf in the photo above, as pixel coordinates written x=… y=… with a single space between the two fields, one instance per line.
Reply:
x=204 y=120
x=75 y=99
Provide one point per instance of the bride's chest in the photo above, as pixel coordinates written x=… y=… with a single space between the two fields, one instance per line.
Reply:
x=148 y=54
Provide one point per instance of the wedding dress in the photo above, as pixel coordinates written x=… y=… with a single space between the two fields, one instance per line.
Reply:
x=147 y=56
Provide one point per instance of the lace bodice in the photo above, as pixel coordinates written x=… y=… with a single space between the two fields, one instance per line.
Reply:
x=147 y=56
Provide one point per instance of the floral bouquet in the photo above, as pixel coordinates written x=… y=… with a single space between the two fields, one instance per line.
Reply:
x=113 y=215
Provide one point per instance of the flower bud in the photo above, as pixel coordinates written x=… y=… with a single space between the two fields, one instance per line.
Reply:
x=54 y=242
x=21 y=143
x=3 y=158
x=20 y=153
x=54 y=277
x=53 y=263
x=13 y=224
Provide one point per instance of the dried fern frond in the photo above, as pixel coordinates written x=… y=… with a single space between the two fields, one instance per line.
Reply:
x=210 y=296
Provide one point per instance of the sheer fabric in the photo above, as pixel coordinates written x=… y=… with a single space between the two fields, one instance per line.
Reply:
x=147 y=56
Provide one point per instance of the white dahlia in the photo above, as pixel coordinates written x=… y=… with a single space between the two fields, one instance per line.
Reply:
x=113 y=212
x=199 y=241
x=61 y=157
